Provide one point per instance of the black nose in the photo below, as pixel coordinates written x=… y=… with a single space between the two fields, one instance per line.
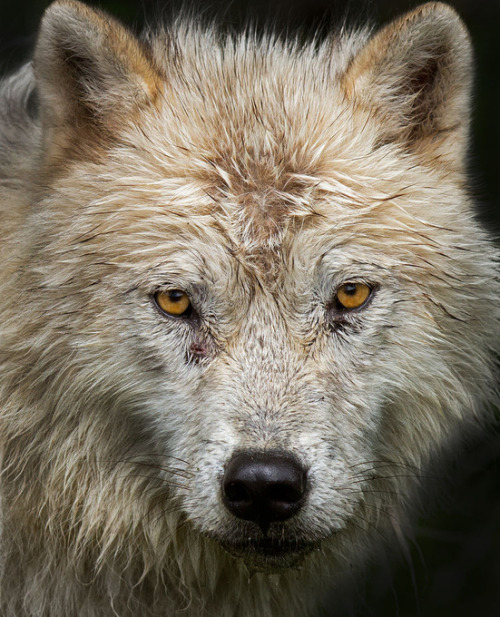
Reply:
x=263 y=487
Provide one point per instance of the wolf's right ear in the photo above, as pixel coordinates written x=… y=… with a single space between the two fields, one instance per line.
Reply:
x=91 y=74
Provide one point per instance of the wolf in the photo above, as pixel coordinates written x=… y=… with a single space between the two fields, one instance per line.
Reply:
x=245 y=304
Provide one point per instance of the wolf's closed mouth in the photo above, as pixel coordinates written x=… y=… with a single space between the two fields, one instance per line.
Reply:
x=268 y=553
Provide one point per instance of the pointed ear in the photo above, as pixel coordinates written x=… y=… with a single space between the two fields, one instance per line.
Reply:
x=415 y=75
x=92 y=74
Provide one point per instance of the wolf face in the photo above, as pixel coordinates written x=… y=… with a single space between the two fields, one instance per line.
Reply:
x=244 y=303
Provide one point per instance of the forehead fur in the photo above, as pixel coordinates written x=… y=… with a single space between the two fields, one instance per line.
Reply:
x=260 y=135
x=258 y=122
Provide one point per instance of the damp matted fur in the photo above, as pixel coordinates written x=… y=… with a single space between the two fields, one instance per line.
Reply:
x=258 y=176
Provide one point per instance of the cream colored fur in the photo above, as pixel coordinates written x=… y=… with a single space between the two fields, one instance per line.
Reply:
x=257 y=175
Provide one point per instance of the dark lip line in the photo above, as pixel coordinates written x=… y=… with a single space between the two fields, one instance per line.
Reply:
x=269 y=548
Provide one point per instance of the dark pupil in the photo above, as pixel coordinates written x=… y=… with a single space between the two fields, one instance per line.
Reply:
x=350 y=289
x=175 y=295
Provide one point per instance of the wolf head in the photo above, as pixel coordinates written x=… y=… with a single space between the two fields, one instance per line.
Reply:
x=251 y=300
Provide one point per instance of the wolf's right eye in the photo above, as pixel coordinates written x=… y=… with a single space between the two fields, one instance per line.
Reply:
x=174 y=302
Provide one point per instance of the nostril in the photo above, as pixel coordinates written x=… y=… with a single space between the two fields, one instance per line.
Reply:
x=264 y=487
x=285 y=493
x=237 y=493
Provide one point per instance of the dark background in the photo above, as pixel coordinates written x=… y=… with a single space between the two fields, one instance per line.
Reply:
x=453 y=565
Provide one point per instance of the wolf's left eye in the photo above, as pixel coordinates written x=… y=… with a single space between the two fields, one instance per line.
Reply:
x=352 y=296
x=174 y=302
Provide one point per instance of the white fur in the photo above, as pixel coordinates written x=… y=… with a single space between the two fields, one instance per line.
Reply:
x=258 y=176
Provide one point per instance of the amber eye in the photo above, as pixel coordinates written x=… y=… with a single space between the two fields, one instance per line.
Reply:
x=352 y=295
x=174 y=302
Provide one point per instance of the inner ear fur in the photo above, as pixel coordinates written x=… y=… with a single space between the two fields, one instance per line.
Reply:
x=415 y=75
x=91 y=74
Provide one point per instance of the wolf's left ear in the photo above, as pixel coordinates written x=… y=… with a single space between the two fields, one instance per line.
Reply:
x=91 y=74
x=415 y=75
